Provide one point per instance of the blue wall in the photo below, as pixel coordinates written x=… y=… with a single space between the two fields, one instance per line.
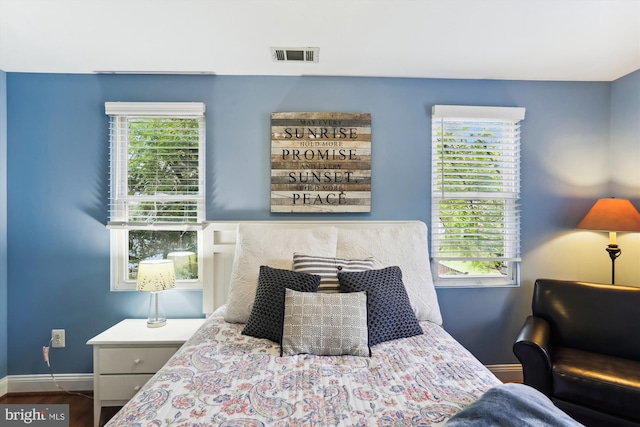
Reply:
x=625 y=153
x=625 y=135
x=3 y=227
x=58 y=187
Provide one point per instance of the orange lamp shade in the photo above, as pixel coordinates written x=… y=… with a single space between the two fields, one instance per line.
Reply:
x=612 y=215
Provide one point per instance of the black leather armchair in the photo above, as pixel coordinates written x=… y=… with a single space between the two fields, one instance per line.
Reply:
x=581 y=347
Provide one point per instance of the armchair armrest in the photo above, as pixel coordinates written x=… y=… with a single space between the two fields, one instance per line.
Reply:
x=533 y=350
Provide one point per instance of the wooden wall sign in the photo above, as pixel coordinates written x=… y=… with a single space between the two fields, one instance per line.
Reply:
x=320 y=162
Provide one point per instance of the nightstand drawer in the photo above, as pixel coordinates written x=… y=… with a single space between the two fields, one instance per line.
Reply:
x=134 y=360
x=121 y=387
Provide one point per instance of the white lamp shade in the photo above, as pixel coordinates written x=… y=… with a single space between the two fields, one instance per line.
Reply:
x=156 y=275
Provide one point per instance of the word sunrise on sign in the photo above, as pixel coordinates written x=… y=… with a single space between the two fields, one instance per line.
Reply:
x=320 y=162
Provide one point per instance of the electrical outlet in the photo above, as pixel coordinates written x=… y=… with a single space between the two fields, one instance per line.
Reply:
x=57 y=338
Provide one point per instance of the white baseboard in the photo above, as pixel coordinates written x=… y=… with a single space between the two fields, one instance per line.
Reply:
x=4 y=386
x=507 y=372
x=44 y=383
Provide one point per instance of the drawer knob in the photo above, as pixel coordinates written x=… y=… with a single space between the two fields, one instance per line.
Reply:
x=136 y=388
x=137 y=361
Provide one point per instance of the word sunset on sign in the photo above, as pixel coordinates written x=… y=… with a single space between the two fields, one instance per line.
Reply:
x=320 y=162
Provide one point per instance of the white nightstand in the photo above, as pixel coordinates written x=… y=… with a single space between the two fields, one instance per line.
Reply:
x=127 y=355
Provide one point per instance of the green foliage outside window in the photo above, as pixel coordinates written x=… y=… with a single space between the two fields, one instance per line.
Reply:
x=149 y=244
x=163 y=160
x=474 y=221
x=163 y=168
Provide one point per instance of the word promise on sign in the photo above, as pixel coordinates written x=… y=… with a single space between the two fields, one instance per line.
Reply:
x=320 y=162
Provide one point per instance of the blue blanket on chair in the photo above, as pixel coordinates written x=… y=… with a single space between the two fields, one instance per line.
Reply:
x=516 y=405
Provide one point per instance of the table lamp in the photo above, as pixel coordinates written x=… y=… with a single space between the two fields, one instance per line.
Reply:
x=612 y=215
x=155 y=276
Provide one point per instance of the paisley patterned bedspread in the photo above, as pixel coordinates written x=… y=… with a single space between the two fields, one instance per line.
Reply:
x=223 y=378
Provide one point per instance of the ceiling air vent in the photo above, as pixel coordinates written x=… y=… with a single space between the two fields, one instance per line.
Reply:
x=295 y=54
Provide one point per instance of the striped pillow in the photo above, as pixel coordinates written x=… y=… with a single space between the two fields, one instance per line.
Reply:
x=328 y=268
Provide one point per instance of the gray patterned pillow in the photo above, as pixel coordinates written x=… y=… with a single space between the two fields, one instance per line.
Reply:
x=325 y=324
x=390 y=315
x=265 y=320
x=328 y=268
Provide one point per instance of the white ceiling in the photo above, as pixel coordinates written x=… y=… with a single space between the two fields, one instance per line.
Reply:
x=579 y=40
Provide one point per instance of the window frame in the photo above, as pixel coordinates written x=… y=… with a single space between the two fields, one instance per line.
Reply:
x=119 y=227
x=508 y=116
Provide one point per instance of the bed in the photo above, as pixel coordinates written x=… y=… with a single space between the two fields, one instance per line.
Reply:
x=356 y=341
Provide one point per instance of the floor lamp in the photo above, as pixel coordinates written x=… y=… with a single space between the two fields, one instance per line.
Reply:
x=612 y=215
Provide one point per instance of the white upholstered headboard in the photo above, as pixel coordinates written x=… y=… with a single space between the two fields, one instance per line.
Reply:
x=224 y=237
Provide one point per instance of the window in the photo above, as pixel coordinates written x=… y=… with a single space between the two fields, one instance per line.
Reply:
x=475 y=220
x=157 y=203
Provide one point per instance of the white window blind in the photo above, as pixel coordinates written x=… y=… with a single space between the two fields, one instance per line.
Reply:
x=157 y=190
x=475 y=192
x=157 y=164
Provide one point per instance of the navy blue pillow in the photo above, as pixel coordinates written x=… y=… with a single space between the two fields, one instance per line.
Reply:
x=267 y=315
x=389 y=312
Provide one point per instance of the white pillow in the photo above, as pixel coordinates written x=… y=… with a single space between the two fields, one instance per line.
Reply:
x=271 y=245
x=404 y=245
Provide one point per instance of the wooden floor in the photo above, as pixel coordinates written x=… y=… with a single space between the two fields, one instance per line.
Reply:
x=80 y=407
